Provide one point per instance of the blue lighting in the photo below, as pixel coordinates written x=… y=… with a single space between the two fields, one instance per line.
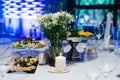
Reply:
x=20 y=15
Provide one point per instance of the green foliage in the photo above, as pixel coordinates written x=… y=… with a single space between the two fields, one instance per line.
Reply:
x=73 y=31
x=55 y=33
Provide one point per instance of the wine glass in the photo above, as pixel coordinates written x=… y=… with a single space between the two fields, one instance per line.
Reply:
x=91 y=69
x=118 y=34
x=117 y=51
x=5 y=65
x=117 y=48
x=5 y=56
x=99 y=31
x=108 y=59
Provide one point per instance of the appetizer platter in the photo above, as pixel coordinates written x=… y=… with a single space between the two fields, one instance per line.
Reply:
x=28 y=47
x=24 y=64
x=28 y=42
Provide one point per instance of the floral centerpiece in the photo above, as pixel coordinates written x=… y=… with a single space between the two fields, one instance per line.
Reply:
x=76 y=35
x=54 y=28
x=73 y=32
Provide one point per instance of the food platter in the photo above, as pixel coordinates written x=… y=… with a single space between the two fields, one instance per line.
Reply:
x=28 y=47
x=24 y=65
x=21 y=44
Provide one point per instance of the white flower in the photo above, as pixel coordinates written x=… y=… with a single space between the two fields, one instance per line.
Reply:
x=59 y=18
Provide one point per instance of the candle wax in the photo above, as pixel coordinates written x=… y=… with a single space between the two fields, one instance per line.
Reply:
x=60 y=63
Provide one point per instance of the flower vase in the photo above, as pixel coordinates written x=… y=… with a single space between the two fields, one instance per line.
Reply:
x=51 y=60
x=54 y=51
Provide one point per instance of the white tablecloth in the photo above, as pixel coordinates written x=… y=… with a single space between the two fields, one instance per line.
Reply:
x=76 y=73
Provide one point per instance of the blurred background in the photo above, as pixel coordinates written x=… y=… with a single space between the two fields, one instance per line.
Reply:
x=18 y=17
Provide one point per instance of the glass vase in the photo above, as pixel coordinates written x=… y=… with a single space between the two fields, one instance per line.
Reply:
x=54 y=50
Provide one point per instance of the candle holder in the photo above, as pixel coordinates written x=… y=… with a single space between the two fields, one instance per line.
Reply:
x=53 y=70
x=72 y=54
x=60 y=65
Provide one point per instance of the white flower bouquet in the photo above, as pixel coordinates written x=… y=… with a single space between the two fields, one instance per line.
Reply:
x=54 y=26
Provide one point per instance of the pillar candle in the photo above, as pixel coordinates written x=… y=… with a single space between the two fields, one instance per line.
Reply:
x=60 y=63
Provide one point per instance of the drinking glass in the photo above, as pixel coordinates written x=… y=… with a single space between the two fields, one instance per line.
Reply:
x=91 y=69
x=99 y=31
x=108 y=59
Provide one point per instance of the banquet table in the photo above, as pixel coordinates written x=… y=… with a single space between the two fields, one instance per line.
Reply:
x=77 y=72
